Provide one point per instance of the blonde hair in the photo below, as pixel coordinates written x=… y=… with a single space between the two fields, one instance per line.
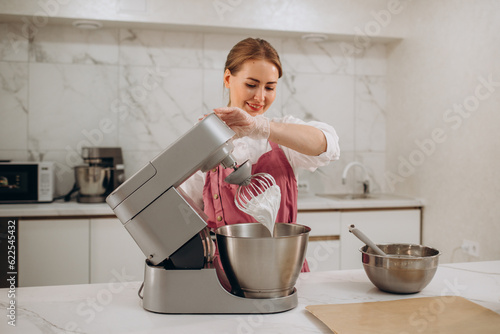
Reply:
x=251 y=49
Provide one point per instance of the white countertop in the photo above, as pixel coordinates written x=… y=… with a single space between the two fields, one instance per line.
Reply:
x=116 y=308
x=388 y=201
x=305 y=202
x=55 y=209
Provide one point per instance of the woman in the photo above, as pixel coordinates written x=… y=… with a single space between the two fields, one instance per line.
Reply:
x=278 y=146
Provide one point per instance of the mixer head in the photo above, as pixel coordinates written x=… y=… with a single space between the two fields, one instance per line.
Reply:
x=241 y=174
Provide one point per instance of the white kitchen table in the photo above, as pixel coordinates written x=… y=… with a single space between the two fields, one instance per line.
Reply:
x=115 y=307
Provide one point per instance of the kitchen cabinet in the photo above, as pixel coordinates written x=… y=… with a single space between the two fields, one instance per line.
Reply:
x=323 y=249
x=53 y=252
x=381 y=226
x=202 y=16
x=76 y=251
x=331 y=246
x=113 y=253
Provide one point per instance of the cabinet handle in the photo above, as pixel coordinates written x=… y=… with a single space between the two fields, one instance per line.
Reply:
x=324 y=237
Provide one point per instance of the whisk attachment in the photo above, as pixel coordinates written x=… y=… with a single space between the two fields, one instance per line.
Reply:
x=259 y=197
x=254 y=186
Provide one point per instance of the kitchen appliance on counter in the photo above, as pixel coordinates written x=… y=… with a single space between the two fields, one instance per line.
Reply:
x=103 y=172
x=27 y=182
x=172 y=232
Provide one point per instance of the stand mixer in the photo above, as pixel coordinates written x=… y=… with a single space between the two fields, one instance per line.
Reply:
x=172 y=231
x=103 y=171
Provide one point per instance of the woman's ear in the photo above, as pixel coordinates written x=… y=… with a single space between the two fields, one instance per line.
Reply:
x=227 y=77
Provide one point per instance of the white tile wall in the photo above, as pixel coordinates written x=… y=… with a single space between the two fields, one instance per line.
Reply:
x=141 y=89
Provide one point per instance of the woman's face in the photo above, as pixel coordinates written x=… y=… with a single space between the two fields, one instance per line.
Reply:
x=253 y=88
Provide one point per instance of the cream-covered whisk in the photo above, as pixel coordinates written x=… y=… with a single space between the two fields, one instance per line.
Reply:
x=260 y=197
x=257 y=195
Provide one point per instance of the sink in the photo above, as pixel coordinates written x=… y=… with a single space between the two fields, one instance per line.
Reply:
x=365 y=197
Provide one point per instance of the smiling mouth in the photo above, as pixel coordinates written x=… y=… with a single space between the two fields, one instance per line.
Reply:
x=255 y=107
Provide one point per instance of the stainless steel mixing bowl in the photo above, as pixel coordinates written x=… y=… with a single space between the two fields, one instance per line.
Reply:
x=93 y=180
x=407 y=268
x=258 y=266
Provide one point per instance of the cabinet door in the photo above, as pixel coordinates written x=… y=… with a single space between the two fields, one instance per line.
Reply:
x=323 y=254
x=114 y=255
x=53 y=252
x=323 y=249
x=391 y=226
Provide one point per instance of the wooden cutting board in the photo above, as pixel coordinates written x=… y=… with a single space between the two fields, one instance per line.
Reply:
x=429 y=315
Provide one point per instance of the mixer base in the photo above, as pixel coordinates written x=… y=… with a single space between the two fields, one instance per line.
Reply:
x=194 y=291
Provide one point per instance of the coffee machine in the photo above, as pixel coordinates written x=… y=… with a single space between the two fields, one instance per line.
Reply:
x=102 y=173
x=172 y=231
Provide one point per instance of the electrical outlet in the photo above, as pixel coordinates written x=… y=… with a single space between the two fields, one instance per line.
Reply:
x=470 y=247
x=303 y=187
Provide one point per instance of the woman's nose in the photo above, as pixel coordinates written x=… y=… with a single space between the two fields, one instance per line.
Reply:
x=259 y=95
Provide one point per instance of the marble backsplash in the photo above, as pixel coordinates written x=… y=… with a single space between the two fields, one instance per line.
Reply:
x=141 y=89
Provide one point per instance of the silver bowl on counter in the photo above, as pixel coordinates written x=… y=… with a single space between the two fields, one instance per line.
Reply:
x=407 y=268
x=259 y=266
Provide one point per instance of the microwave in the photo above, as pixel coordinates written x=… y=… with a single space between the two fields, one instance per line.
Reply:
x=27 y=182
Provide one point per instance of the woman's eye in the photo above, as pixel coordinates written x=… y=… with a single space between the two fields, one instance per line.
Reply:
x=270 y=88
x=250 y=86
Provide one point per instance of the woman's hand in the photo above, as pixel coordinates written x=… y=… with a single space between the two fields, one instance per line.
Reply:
x=302 y=138
x=243 y=124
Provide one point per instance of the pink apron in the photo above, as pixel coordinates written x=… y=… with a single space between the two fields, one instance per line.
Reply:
x=218 y=196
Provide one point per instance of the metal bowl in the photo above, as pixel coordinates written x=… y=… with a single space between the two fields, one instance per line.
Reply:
x=93 y=180
x=407 y=268
x=258 y=266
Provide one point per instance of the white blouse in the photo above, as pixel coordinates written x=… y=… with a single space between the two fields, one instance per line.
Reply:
x=250 y=149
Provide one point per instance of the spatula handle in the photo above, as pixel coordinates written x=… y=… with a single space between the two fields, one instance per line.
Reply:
x=361 y=236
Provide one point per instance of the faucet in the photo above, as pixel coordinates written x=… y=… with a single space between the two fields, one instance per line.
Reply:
x=366 y=180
